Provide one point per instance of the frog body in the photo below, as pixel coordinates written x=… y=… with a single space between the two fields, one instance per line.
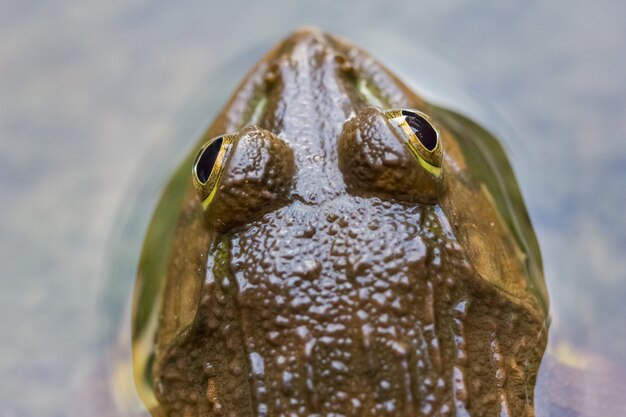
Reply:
x=334 y=269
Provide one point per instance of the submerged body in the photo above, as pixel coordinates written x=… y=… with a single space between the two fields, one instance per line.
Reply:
x=330 y=265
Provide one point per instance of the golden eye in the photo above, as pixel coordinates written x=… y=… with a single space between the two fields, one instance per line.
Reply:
x=208 y=167
x=421 y=137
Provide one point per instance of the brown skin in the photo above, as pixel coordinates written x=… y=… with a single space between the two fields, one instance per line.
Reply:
x=333 y=276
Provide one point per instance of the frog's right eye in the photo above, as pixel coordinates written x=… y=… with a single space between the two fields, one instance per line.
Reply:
x=239 y=177
x=208 y=167
x=394 y=154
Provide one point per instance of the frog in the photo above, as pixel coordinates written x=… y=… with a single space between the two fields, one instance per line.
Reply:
x=336 y=245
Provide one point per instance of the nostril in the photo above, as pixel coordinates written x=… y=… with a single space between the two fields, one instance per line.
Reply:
x=342 y=63
x=272 y=73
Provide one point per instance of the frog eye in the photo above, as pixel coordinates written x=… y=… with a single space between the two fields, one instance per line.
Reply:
x=242 y=176
x=420 y=136
x=393 y=154
x=209 y=165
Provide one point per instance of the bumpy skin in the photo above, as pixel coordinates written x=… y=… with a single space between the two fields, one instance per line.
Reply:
x=359 y=290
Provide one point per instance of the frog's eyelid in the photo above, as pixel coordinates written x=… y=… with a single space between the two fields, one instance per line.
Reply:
x=428 y=149
x=208 y=166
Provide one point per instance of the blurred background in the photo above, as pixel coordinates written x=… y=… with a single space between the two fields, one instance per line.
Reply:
x=99 y=101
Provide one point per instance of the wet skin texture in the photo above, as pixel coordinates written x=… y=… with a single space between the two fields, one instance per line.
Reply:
x=330 y=275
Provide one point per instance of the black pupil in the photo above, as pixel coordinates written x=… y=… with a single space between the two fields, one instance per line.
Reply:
x=206 y=160
x=422 y=129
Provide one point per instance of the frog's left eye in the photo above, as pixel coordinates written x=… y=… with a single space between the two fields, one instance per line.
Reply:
x=208 y=167
x=421 y=137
